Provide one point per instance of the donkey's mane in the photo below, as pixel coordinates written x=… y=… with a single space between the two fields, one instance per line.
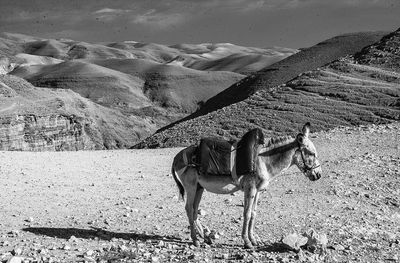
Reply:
x=276 y=142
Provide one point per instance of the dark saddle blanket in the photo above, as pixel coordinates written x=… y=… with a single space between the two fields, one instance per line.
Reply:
x=215 y=155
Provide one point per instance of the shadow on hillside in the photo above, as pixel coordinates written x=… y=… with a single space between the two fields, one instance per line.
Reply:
x=67 y=233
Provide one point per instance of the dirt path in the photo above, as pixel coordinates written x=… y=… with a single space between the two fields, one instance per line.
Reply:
x=122 y=206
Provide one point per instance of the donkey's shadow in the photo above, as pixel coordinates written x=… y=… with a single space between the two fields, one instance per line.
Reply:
x=276 y=247
x=67 y=233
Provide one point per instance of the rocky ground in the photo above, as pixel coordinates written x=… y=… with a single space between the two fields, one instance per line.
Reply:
x=122 y=206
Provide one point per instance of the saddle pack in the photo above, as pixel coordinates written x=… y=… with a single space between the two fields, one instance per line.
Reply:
x=220 y=157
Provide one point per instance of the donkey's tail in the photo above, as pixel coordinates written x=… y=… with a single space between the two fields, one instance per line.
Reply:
x=178 y=183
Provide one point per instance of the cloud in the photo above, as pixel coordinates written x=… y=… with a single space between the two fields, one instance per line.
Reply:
x=338 y=3
x=109 y=14
x=110 y=11
x=159 y=20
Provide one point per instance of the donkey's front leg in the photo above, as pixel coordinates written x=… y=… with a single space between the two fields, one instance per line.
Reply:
x=190 y=198
x=249 y=196
x=197 y=199
x=253 y=219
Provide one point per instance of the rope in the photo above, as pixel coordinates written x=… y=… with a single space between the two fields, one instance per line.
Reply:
x=307 y=221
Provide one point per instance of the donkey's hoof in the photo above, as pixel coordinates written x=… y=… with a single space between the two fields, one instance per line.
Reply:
x=254 y=242
x=248 y=245
x=196 y=243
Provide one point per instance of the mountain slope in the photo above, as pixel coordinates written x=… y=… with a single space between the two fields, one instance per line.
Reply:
x=173 y=86
x=287 y=69
x=38 y=119
x=215 y=57
x=129 y=89
x=102 y=85
x=344 y=92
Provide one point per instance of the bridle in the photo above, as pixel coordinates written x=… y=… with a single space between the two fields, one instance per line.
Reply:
x=306 y=166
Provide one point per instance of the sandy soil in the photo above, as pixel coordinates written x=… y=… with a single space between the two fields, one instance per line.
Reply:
x=122 y=206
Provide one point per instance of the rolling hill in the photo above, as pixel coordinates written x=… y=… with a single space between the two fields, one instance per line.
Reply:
x=173 y=86
x=128 y=90
x=113 y=95
x=287 y=69
x=350 y=90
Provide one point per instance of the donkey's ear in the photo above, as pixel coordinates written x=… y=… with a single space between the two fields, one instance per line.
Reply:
x=306 y=129
x=300 y=138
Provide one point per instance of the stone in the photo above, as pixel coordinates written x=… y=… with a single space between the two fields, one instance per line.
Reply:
x=123 y=248
x=13 y=233
x=338 y=247
x=294 y=241
x=66 y=247
x=202 y=212
x=17 y=251
x=89 y=253
x=315 y=240
x=214 y=235
x=89 y=259
x=161 y=244
x=155 y=259
x=15 y=260
x=290 y=191
x=72 y=239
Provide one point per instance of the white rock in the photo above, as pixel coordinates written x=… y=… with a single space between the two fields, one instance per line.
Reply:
x=202 y=212
x=66 y=247
x=17 y=251
x=338 y=247
x=294 y=241
x=89 y=259
x=15 y=260
x=72 y=239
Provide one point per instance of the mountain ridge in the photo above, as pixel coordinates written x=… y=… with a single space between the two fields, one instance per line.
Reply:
x=145 y=86
x=326 y=96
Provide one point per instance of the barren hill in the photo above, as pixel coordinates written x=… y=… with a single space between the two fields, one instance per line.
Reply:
x=173 y=86
x=38 y=119
x=131 y=88
x=101 y=85
x=347 y=91
x=287 y=69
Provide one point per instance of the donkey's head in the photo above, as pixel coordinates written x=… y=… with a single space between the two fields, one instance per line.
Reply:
x=306 y=157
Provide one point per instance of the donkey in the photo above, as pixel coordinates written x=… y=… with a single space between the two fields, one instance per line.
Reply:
x=272 y=159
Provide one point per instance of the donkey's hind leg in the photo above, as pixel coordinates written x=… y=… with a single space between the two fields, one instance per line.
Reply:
x=197 y=199
x=189 y=207
x=252 y=219
x=250 y=192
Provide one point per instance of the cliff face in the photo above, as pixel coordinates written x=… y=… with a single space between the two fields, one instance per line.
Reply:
x=42 y=119
x=43 y=133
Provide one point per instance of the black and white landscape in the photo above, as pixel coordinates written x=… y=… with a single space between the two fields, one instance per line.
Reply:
x=96 y=99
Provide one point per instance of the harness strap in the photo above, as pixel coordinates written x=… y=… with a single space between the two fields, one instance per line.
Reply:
x=306 y=166
x=185 y=159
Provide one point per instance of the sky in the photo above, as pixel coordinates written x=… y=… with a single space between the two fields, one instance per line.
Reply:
x=258 y=23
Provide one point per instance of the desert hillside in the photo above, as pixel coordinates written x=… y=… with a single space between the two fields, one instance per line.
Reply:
x=39 y=119
x=119 y=93
x=289 y=68
x=352 y=90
